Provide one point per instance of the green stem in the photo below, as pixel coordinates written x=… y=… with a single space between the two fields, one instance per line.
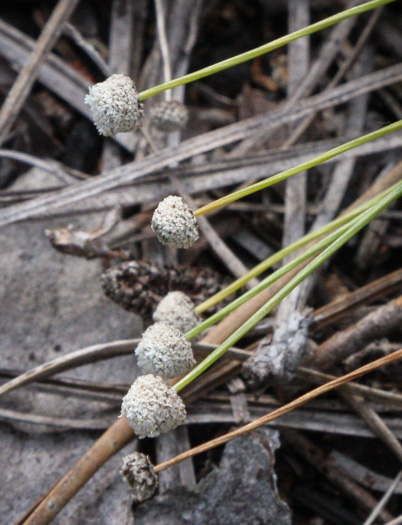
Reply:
x=284 y=252
x=297 y=169
x=223 y=312
x=358 y=224
x=275 y=44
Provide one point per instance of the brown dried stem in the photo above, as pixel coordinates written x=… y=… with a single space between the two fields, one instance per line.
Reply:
x=118 y=435
x=283 y=410
x=374 y=326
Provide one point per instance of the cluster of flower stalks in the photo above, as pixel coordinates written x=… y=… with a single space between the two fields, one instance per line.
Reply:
x=152 y=406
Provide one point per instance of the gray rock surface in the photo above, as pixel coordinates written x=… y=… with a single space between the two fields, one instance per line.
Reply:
x=50 y=305
x=242 y=491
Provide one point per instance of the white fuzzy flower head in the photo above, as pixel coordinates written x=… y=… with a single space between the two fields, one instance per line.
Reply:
x=164 y=351
x=174 y=223
x=177 y=309
x=115 y=105
x=169 y=115
x=138 y=472
x=151 y=407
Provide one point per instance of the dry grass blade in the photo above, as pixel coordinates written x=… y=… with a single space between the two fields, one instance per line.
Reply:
x=50 y=166
x=198 y=179
x=374 y=422
x=71 y=360
x=28 y=74
x=284 y=409
x=396 y=521
x=92 y=354
x=315 y=457
x=364 y=476
x=371 y=393
x=60 y=423
x=300 y=129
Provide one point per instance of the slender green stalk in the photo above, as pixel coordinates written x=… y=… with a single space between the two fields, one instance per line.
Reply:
x=223 y=312
x=281 y=254
x=358 y=224
x=320 y=159
x=275 y=44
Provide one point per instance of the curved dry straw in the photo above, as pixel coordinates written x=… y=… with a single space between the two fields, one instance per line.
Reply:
x=282 y=410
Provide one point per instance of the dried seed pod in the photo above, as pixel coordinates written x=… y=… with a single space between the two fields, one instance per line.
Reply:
x=115 y=105
x=138 y=286
x=177 y=309
x=174 y=223
x=169 y=115
x=164 y=351
x=152 y=408
x=138 y=472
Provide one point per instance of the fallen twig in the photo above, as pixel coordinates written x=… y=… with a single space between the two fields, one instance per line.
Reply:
x=374 y=326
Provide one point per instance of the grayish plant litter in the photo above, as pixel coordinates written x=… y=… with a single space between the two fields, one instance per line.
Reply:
x=138 y=472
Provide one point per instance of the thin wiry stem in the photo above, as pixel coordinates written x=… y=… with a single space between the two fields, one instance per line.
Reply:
x=284 y=252
x=320 y=159
x=355 y=227
x=254 y=53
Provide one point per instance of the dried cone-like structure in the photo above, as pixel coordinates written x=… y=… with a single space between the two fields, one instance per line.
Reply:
x=152 y=408
x=169 y=115
x=115 y=105
x=164 y=351
x=177 y=309
x=139 y=286
x=174 y=223
x=138 y=472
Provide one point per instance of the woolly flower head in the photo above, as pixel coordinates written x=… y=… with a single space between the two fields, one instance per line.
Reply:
x=169 y=115
x=115 y=105
x=138 y=472
x=177 y=309
x=164 y=351
x=174 y=223
x=152 y=408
